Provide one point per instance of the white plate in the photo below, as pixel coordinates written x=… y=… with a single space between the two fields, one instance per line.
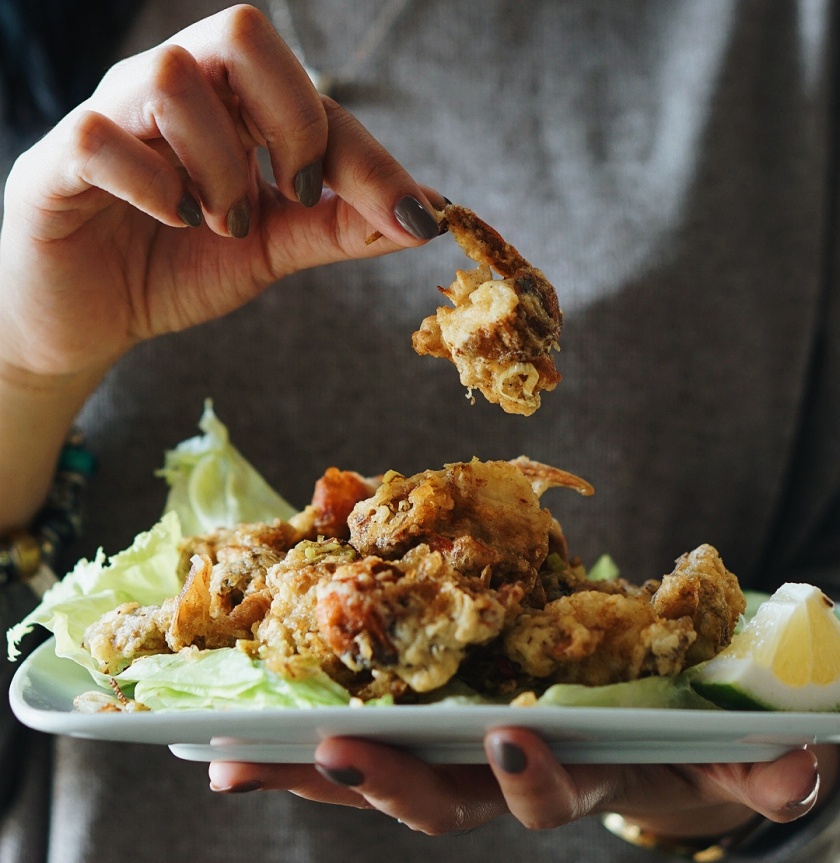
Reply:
x=44 y=686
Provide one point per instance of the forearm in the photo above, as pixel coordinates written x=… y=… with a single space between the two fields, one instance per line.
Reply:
x=36 y=413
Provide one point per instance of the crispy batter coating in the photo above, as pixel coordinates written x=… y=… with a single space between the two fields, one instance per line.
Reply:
x=594 y=638
x=126 y=633
x=608 y=632
x=335 y=495
x=499 y=333
x=290 y=628
x=201 y=620
x=483 y=517
x=702 y=589
x=414 y=617
x=394 y=588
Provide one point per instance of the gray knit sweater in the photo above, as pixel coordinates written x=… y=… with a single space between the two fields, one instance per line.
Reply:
x=669 y=164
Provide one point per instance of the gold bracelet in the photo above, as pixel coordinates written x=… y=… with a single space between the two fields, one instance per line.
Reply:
x=700 y=851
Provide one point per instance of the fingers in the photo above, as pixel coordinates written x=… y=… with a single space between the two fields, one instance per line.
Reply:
x=107 y=158
x=218 y=89
x=183 y=110
x=300 y=779
x=267 y=91
x=208 y=98
x=362 y=172
x=427 y=798
x=526 y=780
x=781 y=790
x=540 y=792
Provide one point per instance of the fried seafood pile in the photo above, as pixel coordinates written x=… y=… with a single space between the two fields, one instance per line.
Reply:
x=499 y=332
x=396 y=585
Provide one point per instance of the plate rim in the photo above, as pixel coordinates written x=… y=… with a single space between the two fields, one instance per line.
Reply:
x=741 y=735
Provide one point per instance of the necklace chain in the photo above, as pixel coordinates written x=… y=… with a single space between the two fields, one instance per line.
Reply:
x=348 y=73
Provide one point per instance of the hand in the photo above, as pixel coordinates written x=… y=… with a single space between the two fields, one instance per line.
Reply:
x=96 y=252
x=526 y=780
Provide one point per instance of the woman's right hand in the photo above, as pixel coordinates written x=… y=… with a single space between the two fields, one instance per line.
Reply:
x=144 y=210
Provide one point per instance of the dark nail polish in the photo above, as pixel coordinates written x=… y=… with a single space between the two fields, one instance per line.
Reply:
x=416 y=219
x=241 y=788
x=189 y=211
x=347 y=776
x=239 y=219
x=509 y=756
x=800 y=807
x=309 y=184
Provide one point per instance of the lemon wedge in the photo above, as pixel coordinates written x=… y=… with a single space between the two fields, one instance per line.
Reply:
x=786 y=658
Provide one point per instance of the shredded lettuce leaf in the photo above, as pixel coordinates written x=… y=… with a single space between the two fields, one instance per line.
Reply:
x=653 y=692
x=604 y=569
x=225 y=678
x=146 y=572
x=212 y=485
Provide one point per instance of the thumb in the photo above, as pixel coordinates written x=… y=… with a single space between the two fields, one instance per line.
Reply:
x=781 y=790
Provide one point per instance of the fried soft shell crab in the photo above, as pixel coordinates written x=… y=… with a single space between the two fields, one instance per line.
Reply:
x=500 y=333
x=395 y=585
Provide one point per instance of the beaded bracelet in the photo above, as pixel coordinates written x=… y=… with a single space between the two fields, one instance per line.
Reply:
x=30 y=555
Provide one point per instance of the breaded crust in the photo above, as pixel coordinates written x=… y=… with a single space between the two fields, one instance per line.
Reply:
x=485 y=245
x=500 y=332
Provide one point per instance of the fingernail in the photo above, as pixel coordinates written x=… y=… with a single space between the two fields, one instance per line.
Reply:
x=508 y=756
x=800 y=807
x=239 y=219
x=416 y=219
x=347 y=776
x=240 y=788
x=309 y=184
x=189 y=212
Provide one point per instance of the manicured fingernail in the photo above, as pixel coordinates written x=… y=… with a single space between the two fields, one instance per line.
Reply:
x=239 y=219
x=189 y=212
x=347 y=776
x=508 y=756
x=416 y=219
x=800 y=807
x=240 y=788
x=309 y=184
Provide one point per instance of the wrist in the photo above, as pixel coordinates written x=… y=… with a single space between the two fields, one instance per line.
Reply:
x=36 y=412
x=17 y=378
x=30 y=555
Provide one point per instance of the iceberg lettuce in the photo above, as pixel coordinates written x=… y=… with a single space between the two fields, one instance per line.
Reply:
x=146 y=572
x=649 y=692
x=224 y=678
x=211 y=484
